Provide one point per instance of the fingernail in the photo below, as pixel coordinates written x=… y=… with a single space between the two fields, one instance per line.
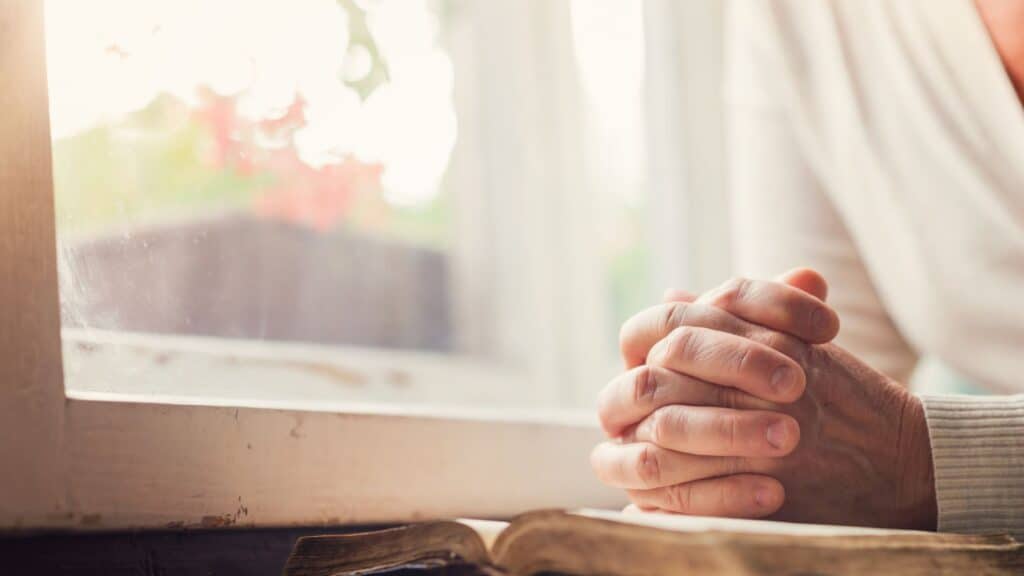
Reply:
x=764 y=497
x=783 y=379
x=776 y=434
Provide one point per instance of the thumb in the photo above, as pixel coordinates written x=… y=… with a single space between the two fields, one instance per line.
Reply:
x=677 y=295
x=807 y=280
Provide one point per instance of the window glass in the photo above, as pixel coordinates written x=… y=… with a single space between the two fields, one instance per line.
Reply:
x=281 y=171
x=609 y=47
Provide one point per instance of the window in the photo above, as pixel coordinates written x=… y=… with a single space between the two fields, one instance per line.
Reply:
x=331 y=173
x=310 y=250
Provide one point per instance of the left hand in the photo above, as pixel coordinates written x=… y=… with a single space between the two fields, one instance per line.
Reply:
x=688 y=441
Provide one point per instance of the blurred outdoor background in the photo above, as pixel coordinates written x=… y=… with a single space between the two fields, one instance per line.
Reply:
x=484 y=179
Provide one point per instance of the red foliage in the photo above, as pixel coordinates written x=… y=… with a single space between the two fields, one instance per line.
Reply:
x=218 y=114
x=318 y=198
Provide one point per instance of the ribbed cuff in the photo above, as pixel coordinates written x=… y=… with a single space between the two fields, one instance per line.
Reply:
x=978 y=457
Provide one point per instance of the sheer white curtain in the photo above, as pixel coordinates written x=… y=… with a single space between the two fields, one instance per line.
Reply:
x=578 y=111
x=530 y=281
x=686 y=160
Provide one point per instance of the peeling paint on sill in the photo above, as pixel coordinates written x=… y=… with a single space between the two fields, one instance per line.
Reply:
x=91 y=519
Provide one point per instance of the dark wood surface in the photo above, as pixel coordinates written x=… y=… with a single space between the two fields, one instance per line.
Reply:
x=188 y=552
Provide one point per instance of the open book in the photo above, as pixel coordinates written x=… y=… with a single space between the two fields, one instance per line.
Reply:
x=600 y=542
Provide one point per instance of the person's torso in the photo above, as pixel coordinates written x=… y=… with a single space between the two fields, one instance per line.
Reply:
x=905 y=113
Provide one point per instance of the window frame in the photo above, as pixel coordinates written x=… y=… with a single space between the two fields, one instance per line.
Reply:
x=93 y=460
x=113 y=461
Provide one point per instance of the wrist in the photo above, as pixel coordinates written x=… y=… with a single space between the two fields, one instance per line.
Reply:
x=917 y=471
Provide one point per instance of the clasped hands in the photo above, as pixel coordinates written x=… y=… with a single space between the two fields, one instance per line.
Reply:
x=737 y=404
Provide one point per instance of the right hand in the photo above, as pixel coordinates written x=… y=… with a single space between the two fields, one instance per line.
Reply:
x=752 y=337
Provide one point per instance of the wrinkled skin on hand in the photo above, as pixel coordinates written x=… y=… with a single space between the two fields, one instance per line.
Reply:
x=691 y=419
x=864 y=457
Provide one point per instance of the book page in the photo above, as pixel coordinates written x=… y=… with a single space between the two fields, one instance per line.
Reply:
x=488 y=530
x=681 y=523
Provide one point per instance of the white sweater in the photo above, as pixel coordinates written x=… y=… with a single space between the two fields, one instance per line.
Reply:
x=881 y=142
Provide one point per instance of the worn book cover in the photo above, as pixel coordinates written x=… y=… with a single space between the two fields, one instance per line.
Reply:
x=603 y=542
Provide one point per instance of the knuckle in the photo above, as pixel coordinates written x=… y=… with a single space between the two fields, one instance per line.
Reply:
x=677 y=314
x=730 y=494
x=733 y=291
x=606 y=406
x=672 y=422
x=667 y=424
x=726 y=427
x=682 y=342
x=631 y=333
x=788 y=345
x=733 y=465
x=680 y=497
x=727 y=397
x=645 y=385
x=742 y=359
x=798 y=351
x=771 y=339
x=648 y=466
x=607 y=420
x=656 y=426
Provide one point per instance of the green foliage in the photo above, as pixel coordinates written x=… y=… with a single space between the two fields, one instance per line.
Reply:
x=360 y=37
x=629 y=274
x=149 y=164
x=171 y=160
x=175 y=159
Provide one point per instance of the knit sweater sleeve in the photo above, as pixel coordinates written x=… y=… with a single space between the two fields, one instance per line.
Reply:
x=978 y=455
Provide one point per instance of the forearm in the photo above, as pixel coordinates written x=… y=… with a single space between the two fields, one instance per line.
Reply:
x=977 y=447
x=784 y=217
